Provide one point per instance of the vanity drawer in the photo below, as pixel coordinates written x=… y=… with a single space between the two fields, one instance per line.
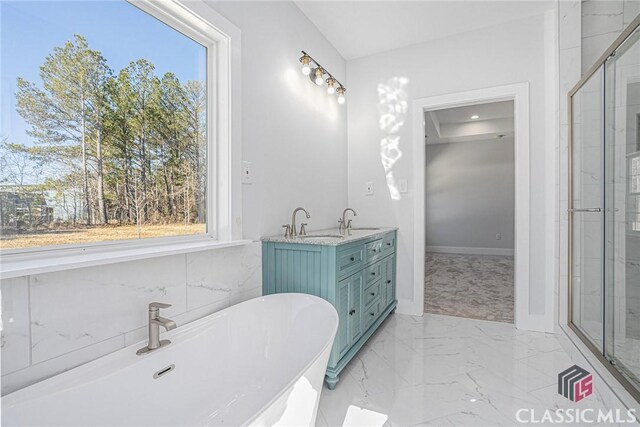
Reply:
x=350 y=260
x=373 y=250
x=389 y=244
x=372 y=293
x=372 y=313
x=373 y=273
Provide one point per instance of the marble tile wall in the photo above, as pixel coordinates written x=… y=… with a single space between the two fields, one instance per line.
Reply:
x=585 y=29
x=602 y=22
x=569 y=61
x=56 y=321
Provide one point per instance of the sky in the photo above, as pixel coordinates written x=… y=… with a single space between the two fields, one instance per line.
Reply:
x=29 y=30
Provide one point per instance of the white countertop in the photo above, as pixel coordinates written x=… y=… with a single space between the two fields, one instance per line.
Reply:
x=358 y=233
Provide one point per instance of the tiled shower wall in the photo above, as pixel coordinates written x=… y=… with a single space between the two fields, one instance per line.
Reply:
x=569 y=40
x=585 y=30
x=602 y=23
x=56 y=321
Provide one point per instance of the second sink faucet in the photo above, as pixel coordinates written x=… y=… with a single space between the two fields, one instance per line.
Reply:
x=291 y=228
x=344 y=224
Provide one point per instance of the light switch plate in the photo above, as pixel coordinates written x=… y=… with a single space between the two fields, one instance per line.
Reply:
x=247 y=175
x=368 y=188
x=403 y=185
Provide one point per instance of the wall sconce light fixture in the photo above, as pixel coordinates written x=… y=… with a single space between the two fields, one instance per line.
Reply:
x=316 y=75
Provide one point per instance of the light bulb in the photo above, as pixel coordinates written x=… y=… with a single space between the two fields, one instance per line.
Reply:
x=306 y=68
x=317 y=76
x=341 y=99
x=330 y=86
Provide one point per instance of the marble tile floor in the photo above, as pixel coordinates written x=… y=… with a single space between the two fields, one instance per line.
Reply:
x=449 y=371
x=474 y=286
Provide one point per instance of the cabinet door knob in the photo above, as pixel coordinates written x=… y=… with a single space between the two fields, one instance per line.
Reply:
x=373 y=273
x=388 y=281
x=373 y=294
x=389 y=244
x=374 y=250
x=373 y=314
x=353 y=258
x=352 y=312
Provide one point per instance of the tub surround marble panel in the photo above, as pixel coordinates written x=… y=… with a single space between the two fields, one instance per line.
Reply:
x=102 y=302
x=15 y=341
x=56 y=321
x=223 y=277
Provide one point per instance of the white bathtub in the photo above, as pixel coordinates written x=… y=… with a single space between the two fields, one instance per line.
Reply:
x=261 y=362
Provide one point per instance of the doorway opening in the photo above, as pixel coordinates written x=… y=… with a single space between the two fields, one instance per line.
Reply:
x=470 y=211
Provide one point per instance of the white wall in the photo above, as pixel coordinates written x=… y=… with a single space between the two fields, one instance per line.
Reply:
x=295 y=137
x=520 y=51
x=470 y=196
x=294 y=133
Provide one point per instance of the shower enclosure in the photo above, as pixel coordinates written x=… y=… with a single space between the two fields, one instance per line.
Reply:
x=604 y=209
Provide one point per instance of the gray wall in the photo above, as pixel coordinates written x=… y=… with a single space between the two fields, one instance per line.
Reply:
x=470 y=194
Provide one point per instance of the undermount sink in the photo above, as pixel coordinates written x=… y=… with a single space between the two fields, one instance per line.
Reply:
x=321 y=236
x=365 y=228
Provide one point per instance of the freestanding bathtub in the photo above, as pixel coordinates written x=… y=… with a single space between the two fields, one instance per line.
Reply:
x=261 y=362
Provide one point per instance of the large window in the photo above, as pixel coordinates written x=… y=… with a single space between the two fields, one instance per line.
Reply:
x=105 y=132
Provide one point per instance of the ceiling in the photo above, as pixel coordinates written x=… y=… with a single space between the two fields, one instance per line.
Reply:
x=361 y=28
x=495 y=121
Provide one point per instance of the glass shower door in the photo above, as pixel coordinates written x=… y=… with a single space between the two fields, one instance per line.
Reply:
x=586 y=210
x=622 y=189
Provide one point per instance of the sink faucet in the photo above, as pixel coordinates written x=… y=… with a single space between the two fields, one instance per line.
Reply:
x=344 y=224
x=155 y=321
x=291 y=229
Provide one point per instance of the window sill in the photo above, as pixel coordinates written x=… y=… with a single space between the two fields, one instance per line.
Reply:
x=13 y=266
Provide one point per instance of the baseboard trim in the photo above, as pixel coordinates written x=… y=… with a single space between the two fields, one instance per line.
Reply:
x=469 y=251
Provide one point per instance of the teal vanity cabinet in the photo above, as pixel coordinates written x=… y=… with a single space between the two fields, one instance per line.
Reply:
x=357 y=274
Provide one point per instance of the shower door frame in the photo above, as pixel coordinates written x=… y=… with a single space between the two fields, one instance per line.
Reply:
x=599 y=354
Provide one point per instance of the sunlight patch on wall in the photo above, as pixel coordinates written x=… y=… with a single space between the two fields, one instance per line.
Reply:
x=315 y=97
x=357 y=416
x=393 y=107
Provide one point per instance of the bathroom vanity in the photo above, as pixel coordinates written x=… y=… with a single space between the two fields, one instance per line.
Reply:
x=354 y=272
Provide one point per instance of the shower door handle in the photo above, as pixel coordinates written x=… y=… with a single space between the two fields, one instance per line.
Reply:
x=585 y=210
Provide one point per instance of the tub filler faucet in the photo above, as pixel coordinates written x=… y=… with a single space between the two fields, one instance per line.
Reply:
x=155 y=321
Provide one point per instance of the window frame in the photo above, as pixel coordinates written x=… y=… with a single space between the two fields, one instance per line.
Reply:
x=223 y=217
